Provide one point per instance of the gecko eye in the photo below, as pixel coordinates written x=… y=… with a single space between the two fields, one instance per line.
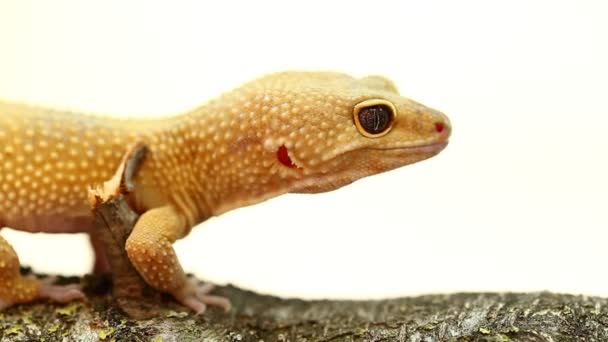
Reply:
x=374 y=118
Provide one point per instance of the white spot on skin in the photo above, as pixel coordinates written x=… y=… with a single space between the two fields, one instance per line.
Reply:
x=270 y=145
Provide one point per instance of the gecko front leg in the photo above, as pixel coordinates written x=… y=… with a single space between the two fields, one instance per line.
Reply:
x=150 y=250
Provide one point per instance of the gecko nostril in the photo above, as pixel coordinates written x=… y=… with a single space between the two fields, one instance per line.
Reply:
x=439 y=127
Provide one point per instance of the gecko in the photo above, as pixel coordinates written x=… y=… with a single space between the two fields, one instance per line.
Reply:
x=286 y=132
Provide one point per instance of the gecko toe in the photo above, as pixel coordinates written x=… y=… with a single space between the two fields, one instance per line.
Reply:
x=193 y=303
x=61 y=293
x=218 y=301
x=195 y=296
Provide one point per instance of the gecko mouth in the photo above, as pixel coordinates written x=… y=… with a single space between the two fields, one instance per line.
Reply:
x=356 y=167
x=434 y=147
x=393 y=157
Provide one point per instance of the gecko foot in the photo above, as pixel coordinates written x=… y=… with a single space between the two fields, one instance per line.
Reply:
x=195 y=296
x=27 y=289
x=59 y=293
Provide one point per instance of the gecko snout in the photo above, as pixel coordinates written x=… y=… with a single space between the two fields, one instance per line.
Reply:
x=439 y=127
x=442 y=126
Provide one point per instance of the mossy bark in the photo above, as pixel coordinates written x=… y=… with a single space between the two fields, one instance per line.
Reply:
x=254 y=317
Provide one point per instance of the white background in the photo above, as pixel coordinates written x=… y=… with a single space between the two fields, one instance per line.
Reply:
x=516 y=202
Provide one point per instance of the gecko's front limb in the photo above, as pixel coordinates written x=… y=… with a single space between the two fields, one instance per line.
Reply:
x=150 y=250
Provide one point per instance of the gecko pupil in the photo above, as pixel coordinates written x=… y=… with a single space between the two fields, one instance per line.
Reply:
x=375 y=119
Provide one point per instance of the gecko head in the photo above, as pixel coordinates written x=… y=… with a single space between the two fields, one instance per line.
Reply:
x=309 y=132
x=324 y=130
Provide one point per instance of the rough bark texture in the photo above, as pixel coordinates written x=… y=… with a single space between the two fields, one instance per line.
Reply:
x=459 y=317
x=129 y=310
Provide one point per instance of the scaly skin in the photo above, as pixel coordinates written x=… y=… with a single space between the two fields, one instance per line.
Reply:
x=285 y=132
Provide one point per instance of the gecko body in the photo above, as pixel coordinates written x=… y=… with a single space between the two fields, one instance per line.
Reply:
x=285 y=132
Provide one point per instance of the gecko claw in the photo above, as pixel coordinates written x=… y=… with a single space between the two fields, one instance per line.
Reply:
x=195 y=296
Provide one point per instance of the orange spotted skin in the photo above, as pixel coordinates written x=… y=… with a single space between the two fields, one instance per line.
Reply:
x=285 y=132
x=47 y=161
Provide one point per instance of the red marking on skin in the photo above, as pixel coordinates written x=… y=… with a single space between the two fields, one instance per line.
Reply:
x=283 y=157
x=439 y=127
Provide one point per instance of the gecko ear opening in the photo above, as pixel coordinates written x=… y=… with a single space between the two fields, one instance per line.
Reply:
x=283 y=157
x=374 y=118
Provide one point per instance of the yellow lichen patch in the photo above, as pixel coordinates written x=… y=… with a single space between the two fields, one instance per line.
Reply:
x=105 y=333
x=68 y=310
x=53 y=328
x=175 y=314
x=14 y=330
